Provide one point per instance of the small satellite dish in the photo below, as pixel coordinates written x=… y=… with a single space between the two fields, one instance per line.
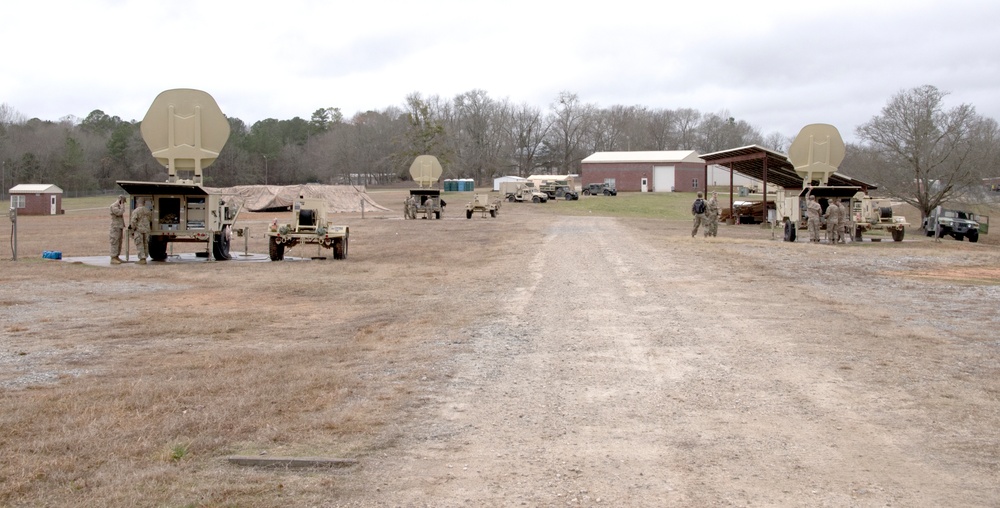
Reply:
x=185 y=130
x=817 y=152
x=426 y=170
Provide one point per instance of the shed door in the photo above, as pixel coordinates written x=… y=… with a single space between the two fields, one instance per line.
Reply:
x=52 y=205
x=663 y=178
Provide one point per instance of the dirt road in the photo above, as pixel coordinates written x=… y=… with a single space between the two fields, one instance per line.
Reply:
x=530 y=360
x=630 y=366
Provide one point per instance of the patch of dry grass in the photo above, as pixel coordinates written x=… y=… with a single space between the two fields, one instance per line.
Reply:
x=154 y=374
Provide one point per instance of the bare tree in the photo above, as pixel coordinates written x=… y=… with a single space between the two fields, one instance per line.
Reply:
x=686 y=121
x=617 y=128
x=10 y=116
x=526 y=131
x=777 y=141
x=661 y=125
x=571 y=122
x=477 y=135
x=924 y=154
x=721 y=131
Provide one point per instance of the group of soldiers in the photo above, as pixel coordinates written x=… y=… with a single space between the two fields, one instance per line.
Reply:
x=139 y=225
x=412 y=204
x=706 y=213
x=837 y=217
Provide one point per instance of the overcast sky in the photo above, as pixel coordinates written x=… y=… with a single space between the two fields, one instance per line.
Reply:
x=778 y=65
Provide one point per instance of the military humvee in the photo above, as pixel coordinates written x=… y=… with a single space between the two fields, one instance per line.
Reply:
x=954 y=223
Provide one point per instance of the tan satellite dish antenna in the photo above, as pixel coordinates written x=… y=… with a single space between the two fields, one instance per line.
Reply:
x=816 y=152
x=426 y=170
x=185 y=130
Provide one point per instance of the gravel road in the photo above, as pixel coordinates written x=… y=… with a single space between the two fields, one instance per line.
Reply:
x=631 y=366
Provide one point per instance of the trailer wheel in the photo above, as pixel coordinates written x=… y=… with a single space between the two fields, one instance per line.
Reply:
x=158 y=248
x=340 y=248
x=220 y=245
x=275 y=250
x=857 y=234
x=468 y=214
x=789 y=231
x=897 y=234
x=493 y=213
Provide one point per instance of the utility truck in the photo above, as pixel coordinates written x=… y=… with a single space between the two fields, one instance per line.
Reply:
x=185 y=130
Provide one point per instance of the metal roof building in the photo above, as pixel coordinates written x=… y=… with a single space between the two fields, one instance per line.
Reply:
x=36 y=199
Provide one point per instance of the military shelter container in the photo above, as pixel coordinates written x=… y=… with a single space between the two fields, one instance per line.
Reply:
x=502 y=179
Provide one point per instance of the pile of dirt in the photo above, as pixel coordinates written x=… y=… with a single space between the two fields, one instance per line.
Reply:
x=270 y=198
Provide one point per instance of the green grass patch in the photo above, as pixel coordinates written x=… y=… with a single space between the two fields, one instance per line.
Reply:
x=658 y=205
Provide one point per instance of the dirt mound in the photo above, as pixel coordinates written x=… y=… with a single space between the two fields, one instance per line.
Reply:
x=268 y=198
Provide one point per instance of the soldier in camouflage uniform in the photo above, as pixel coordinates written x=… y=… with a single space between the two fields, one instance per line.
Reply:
x=833 y=222
x=429 y=207
x=140 y=226
x=117 y=226
x=813 y=210
x=698 y=209
x=713 y=216
x=409 y=208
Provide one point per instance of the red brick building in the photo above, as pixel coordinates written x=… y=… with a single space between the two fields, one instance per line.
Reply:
x=666 y=171
x=36 y=199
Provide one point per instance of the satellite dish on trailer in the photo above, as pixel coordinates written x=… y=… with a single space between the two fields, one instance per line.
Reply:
x=185 y=130
x=817 y=152
x=426 y=170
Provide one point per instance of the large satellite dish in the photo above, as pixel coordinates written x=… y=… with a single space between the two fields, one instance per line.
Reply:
x=817 y=152
x=185 y=130
x=426 y=170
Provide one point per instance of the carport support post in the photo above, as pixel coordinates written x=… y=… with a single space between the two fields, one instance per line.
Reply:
x=732 y=181
x=765 y=194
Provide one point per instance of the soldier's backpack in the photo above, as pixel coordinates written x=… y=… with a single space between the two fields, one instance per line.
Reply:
x=699 y=206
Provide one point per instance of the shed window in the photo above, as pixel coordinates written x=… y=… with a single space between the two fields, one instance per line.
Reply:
x=17 y=201
x=694 y=183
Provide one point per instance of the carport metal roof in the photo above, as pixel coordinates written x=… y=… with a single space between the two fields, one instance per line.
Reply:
x=771 y=167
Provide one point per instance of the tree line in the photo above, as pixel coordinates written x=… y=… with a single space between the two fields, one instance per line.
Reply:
x=473 y=135
x=914 y=149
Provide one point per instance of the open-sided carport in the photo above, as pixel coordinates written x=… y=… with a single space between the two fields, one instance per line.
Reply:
x=767 y=166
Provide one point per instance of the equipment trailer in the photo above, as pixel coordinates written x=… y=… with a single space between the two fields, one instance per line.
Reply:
x=310 y=226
